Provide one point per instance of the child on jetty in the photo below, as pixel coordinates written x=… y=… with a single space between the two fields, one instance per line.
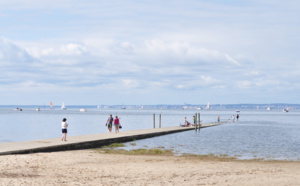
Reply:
x=64 y=126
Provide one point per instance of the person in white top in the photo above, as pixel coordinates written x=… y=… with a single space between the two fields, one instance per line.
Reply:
x=233 y=118
x=64 y=126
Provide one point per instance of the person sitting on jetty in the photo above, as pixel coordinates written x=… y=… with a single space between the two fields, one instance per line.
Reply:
x=186 y=123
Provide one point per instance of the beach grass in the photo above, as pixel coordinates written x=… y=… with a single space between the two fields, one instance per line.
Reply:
x=114 y=148
x=114 y=145
x=153 y=151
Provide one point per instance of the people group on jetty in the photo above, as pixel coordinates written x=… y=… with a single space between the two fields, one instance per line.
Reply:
x=232 y=118
x=189 y=124
x=111 y=121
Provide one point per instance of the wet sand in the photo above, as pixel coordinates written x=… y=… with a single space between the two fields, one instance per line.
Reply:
x=89 y=167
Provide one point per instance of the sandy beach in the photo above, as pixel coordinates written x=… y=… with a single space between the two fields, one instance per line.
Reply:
x=89 y=167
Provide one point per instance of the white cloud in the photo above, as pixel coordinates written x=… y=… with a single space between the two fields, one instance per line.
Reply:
x=130 y=83
x=73 y=49
x=10 y=53
x=253 y=73
x=154 y=47
x=183 y=53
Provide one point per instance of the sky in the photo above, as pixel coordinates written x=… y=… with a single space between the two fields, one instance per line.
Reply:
x=147 y=52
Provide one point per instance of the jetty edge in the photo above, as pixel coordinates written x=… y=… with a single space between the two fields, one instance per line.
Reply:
x=88 y=141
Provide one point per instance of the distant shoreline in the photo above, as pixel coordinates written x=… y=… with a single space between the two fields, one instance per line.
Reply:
x=199 y=107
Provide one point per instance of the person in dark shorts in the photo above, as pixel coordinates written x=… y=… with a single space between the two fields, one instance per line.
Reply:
x=64 y=126
x=109 y=123
x=237 y=117
x=195 y=120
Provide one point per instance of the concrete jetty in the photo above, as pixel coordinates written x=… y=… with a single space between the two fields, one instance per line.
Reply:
x=87 y=141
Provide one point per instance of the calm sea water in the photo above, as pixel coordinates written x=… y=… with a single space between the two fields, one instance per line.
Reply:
x=259 y=133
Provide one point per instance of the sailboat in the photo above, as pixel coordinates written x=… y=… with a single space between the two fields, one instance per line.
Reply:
x=82 y=110
x=286 y=110
x=63 y=107
x=207 y=106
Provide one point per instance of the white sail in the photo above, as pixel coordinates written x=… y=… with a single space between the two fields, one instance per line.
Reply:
x=208 y=106
x=63 y=107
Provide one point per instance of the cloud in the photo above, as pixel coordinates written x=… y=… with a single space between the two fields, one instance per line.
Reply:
x=11 y=54
x=138 y=47
x=182 y=53
x=152 y=63
x=130 y=83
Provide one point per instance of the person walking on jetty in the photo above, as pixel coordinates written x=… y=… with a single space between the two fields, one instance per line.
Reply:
x=109 y=123
x=117 y=124
x=64 y=126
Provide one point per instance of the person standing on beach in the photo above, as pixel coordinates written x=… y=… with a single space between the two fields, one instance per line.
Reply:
x=64 y=126
x=117 y=124
x=218 y=119
x=109 y=123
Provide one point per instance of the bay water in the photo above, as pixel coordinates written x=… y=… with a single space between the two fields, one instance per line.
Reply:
x=258 y=133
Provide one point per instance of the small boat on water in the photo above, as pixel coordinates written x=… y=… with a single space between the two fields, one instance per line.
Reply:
x=82 y=110
x=269 y=108
x=18 y=109
x=286 y=110
x=37 y=109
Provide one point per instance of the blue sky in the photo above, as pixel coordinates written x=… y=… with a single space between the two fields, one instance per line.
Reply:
x=149 y=52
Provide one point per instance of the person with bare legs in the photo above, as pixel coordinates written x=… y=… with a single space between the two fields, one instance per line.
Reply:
x=64 y=126
x=117 y=124
x=109 y=123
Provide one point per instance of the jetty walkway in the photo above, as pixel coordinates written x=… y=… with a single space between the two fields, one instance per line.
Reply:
x=87 y=141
